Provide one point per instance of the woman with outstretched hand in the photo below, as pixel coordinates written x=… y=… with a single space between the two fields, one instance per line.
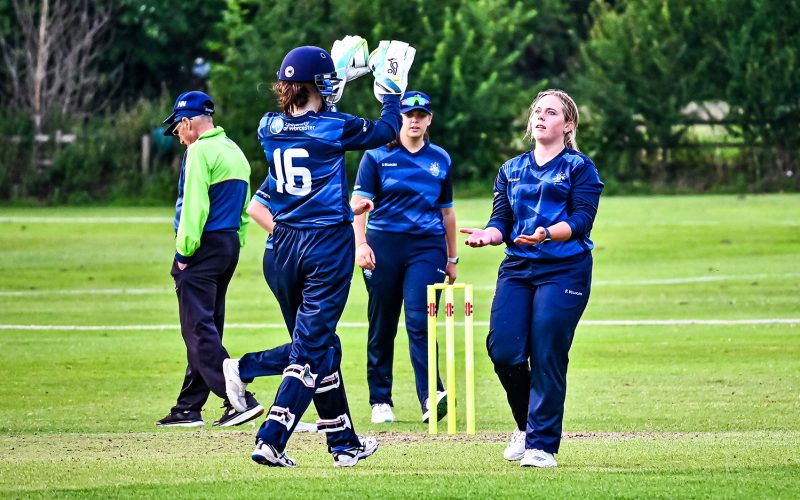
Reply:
x=545 y=203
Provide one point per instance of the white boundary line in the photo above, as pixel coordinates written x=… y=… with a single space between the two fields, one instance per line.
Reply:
x=100 y=291
x=462 y=223
x=697 y=279
x=86 y=220
x=280 y=326
x=646 y=282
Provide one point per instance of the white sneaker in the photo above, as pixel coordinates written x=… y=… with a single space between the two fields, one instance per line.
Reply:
x=382 y=413
x=349 y=456
x=538 y=458
x=234 y=387
x=266 y=454
x=441 y=406
x=516 y=447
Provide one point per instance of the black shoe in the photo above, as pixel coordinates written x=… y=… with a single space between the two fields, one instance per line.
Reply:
x=441 y=407
x=182 y=418
x=232 y=417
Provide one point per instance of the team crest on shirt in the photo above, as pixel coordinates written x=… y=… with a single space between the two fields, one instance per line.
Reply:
x=276 y=125
x=559 y=178
x=434 y=168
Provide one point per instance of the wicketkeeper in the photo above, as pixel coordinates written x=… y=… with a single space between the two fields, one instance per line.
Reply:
x=306 y=190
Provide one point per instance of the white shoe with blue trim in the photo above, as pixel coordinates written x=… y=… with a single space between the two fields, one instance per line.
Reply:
x=516 y=447
x=538 y=458
x=348 y=456
x=382 y=413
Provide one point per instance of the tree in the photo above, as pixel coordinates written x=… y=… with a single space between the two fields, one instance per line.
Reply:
x=49 y=60
x=155 y=44
x=467 y=52
x=762 y=82
x=645 y=62
x=642 y=66
x=560 y=27
x=251 y=49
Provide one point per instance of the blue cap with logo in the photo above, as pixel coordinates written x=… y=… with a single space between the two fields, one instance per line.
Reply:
x=188 y=105
x=414 y=99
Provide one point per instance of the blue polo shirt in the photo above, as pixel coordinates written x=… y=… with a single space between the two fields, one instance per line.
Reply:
x=408 y=189
x=527 y=195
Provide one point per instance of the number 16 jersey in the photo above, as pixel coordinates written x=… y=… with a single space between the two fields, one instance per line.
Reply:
x=306 y=185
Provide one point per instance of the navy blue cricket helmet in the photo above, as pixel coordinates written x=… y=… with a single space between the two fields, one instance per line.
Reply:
x=310 y=64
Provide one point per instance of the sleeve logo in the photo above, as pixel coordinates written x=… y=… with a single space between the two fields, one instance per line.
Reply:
x=276 y=125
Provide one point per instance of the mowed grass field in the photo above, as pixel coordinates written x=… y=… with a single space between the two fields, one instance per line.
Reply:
x=684 y=378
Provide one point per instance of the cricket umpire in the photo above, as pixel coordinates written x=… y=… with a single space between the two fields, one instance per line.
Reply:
x=210 y=228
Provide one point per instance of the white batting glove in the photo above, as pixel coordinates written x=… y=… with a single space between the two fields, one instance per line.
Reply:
x=390 y=64
x=350 y=59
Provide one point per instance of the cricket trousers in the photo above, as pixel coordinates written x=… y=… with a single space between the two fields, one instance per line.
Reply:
x=329 y=399
x=536 y=308
x=405 y=264
x=313 y=269
x=201 y=289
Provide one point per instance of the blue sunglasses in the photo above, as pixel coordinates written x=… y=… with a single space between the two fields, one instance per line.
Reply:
x=416 y=100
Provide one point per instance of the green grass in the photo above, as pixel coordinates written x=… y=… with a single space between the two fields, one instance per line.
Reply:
x=653 y=410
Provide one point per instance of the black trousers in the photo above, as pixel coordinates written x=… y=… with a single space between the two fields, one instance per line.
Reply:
x=201 y=289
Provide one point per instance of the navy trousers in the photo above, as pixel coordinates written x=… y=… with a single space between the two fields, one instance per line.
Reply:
x=405 y=265
x=535 y=311
x=313 y=272
x=330 y=401
x=201 y=289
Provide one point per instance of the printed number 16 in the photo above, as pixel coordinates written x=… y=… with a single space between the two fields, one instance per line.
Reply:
x=287 y=173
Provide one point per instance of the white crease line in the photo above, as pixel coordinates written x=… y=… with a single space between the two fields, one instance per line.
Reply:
x=279 y=326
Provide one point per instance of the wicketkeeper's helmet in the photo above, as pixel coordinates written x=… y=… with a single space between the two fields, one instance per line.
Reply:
x=310 y=64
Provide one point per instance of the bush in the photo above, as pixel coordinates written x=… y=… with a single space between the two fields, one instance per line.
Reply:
x=16 y=142
x=104 y=163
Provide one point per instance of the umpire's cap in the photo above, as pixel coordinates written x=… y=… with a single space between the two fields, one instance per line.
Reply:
x=188 y=105
x=304 y=64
